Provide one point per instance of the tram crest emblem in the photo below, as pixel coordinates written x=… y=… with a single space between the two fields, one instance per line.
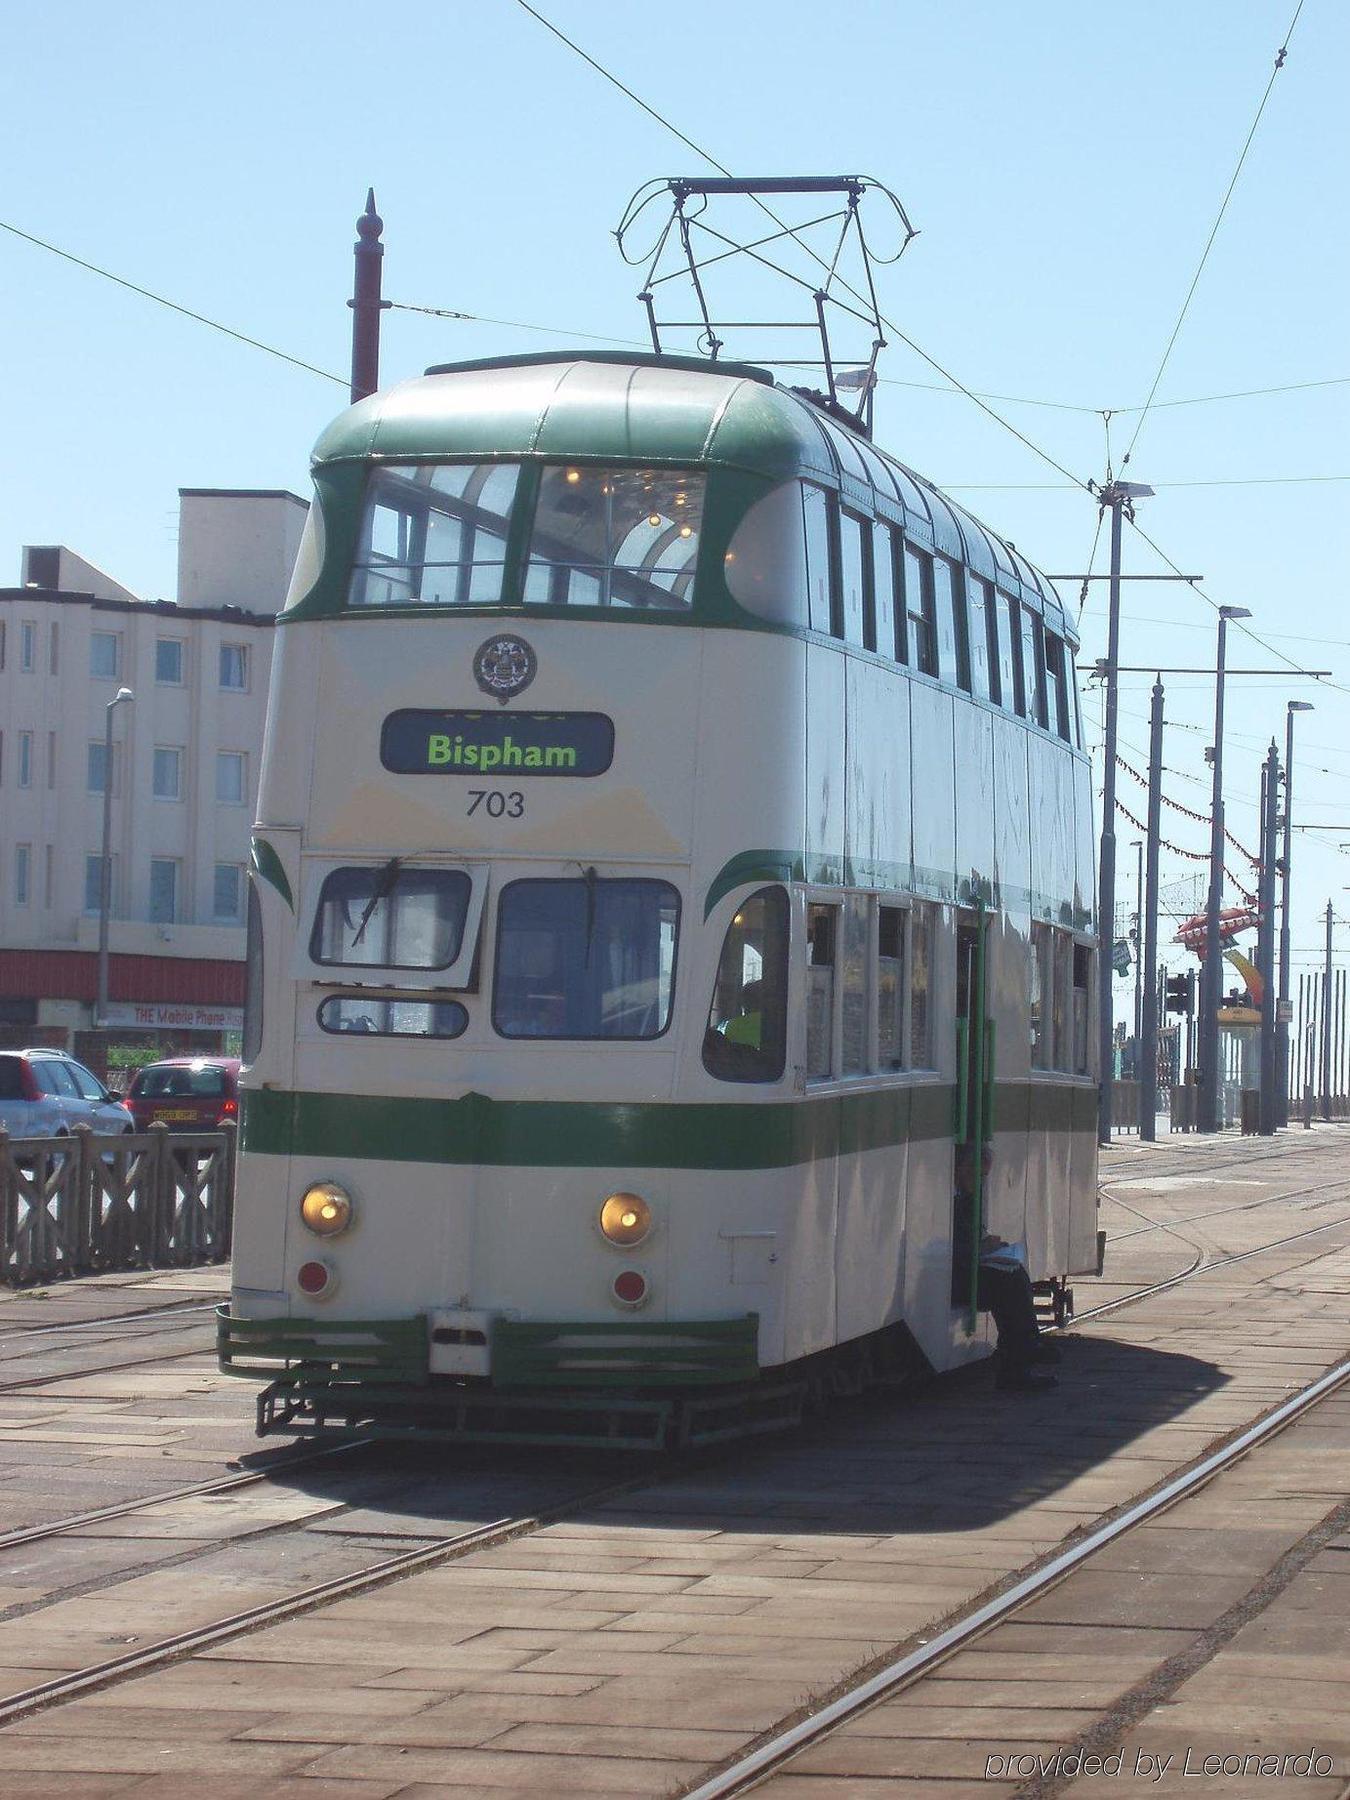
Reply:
x=504 y=665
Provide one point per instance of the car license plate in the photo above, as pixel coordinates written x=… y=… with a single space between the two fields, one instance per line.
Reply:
x=178 y=1112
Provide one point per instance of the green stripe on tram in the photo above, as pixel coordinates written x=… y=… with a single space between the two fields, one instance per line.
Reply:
x=609 y=1134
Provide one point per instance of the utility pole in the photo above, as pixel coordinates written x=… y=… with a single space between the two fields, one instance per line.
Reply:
x=1326 y=1024
x=366 y=303
x=1210 y=1110
x=1265 y=943
x=1138 y=940
x=1282 y=1021
x=1148 y=1019
x=1120 y=497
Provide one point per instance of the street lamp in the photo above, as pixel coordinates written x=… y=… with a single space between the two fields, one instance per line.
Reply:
x=105 y=868
x=1120 y=496
x=1281 y=1019
x=1210 y=1113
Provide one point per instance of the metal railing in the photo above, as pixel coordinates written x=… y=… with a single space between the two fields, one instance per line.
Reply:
x=82 y=1205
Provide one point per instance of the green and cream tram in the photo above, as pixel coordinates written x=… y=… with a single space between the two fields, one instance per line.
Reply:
x=674 y=839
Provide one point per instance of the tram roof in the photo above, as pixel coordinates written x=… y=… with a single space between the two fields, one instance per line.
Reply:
x=666 y=409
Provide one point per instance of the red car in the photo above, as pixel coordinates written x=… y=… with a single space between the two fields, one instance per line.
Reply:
x=188 y=1093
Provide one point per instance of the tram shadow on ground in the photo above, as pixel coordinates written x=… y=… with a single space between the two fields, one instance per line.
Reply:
x=958 y=1456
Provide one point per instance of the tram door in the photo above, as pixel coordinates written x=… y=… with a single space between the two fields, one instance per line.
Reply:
x=973 y=1106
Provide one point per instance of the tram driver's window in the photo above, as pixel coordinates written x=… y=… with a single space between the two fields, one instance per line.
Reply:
x=587 y=958
x=615 y=537
x=434 y=534
x=390 y=917
x=746 y=1039
x=821 y=936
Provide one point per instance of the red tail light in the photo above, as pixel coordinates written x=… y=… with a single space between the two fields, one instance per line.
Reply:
x=228 y=1110
x=28 y=1082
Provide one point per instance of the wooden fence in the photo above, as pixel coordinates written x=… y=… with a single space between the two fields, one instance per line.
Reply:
x=82 y=1205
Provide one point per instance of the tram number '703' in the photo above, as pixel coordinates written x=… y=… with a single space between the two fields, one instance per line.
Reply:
x=496 y=805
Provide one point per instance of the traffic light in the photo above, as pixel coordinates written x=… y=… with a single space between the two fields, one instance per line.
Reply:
x=1179 y=993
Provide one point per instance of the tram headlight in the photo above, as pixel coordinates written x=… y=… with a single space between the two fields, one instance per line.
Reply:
x=326 y=1209
x=625 y=1220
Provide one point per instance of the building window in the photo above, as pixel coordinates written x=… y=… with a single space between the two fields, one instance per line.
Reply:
x=234 y=667
x=53 y=648
x=97 y=775
x=163 y=890
x=169 y=661
x=51 y=759
x=231 y=783
x=168 y=775
x=93 y=869
x=23 y=856
x=27 y=646
x=49 y=876
x=227 y=901
x=103 y=655
x=25 y=759
x=821 y=932
x=2 y=644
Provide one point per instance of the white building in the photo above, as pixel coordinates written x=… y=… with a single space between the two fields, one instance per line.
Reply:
x=184 y=772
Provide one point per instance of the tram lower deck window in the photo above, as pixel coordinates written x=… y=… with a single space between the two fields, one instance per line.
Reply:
x=746 y=1039
x=585 y=959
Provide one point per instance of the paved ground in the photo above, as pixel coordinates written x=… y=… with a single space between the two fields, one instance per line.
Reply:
x=633 y=1644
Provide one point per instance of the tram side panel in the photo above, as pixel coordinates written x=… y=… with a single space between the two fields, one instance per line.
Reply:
x=928 y=1192
x=870 y=1246
x=1053 y=870
x=1009 y=982
x=1084 y=1203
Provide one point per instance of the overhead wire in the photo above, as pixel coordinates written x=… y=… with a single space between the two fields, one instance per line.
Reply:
x=1280 y=58
x=708 y=157
x=173 y=305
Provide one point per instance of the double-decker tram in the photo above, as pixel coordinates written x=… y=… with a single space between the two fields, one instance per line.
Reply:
x=673 y=845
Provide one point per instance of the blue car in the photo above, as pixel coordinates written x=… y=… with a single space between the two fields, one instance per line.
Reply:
x=45 y=1093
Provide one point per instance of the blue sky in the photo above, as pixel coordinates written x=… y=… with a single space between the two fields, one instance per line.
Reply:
x=1063 y=164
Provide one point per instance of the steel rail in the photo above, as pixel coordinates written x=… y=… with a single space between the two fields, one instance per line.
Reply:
x=1203 y=1267
x=748 y=1771
x=113 y=1368
x=174 y=1308
x=220 y=1484
x=45 y=1694
x=1215 y=1212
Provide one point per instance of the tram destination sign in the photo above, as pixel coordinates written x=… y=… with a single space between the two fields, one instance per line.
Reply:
x=414 y=742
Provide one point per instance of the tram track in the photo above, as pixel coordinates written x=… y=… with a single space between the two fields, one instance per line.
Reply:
x=26 y=1333
x=781 y=1745
x=448 y=1548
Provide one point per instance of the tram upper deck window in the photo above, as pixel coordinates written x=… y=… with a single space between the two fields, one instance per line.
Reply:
x=953 y=663
x=888 y=631
x=819 y=577
x=434 y=534
x=1009 y=681
x=765 y=562
x=852 y=569
x=919 y=618
x=390 y=917
x=1033 y=668
x=585 y=959
x=1059 y=686
x=984 y=670
x=618 y=537
x=746 y=1039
